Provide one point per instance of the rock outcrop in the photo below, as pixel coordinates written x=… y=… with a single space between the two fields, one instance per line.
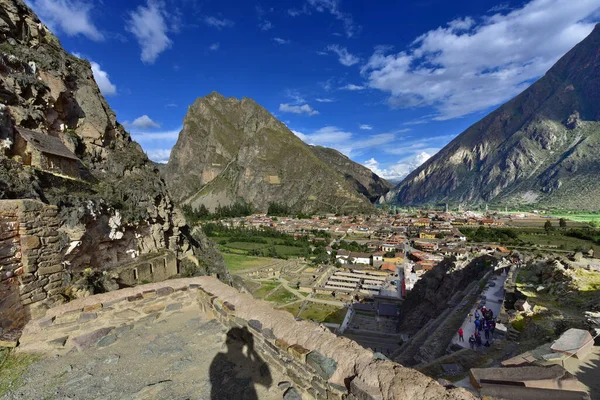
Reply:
x=361 y=178
x=538 y=148
x=118 y=207
x=231 y=150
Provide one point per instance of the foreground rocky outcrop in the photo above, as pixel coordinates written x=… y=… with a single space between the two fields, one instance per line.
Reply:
x=117 y=207
x=231 y=150
x=538 y=148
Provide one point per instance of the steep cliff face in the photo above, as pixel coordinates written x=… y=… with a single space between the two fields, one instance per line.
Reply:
x=539 y=148
x=361 y=178
x=233 y=149
x=118 y=207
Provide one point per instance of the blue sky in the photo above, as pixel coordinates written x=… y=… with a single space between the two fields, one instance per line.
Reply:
x=388 y=83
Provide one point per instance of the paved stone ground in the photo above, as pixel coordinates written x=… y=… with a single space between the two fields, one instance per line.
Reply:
x=494 y=296
x=165 y=358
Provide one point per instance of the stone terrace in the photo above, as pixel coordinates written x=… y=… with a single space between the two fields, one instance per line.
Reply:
x=313 y=361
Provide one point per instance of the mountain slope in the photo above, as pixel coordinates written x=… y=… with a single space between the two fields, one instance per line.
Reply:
x=233 y=149
x=539 y=148
x=119 y=206
x=361 y=178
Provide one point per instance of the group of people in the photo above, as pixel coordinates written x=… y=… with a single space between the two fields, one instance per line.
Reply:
x=484 y=323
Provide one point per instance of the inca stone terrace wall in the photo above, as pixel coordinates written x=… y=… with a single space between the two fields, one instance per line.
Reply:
x=318 y=363
x=31 y=273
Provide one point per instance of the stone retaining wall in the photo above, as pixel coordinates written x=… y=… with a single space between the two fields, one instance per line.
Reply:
x=31 y=272
x=318 y=363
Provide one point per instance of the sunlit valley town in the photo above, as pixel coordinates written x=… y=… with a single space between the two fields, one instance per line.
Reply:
x=312 y=199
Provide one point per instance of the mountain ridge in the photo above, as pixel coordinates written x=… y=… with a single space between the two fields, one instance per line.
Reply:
x=230 y=150
x=535 y=149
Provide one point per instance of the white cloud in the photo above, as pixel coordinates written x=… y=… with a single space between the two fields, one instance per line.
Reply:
x=159 y=155
x=106 y=86
x=143 y=122
x=72 y=17
x=345 y=142
x=298 y=109
x=141 y=136
x=345 y=57
x=280 y=40
x=294 y=12
x=426 y=144
x=214 y=46
x=400 y=169
x=171 y=105
x=147 y=23
x=366 y=127
x=333 y=7
x=473 y=64
x=265 y=25
x=352 y=87
x=218 y=23
x=325 y=100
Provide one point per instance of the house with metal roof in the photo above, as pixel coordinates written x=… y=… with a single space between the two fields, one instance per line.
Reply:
x=45 y=152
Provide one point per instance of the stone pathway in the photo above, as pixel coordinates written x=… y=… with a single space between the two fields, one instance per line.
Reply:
x=162 y=357
x=494 y=297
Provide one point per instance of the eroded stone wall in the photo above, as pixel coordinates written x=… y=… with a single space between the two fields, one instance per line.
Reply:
x=31 y=273
x=318 y=363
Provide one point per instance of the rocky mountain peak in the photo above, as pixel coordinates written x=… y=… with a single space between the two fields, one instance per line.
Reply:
x=231 y=150
x=535 y=149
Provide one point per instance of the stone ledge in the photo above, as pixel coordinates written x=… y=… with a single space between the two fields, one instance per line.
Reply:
x=319 y=362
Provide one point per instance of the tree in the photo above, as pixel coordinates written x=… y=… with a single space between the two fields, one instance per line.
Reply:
x=548 y=226
x=562 y=223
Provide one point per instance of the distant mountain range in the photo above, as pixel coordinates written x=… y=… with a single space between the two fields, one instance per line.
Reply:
x=231 y=150
x=540 y=148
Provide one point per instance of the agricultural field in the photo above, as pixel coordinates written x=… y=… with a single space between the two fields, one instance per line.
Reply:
x=281 y=296
x=578 y=217
x=323 y=313
x=293 y=309
x=265 y=289
x=239 y=262
x=560 y=242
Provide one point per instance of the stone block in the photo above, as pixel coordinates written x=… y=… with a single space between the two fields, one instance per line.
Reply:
x=9 y=343
x=30 y=287
x=46 y=322
x=268 y=334
x=50 y=270
x=298 y=352
x=135 y=297
x=92 y=307
x=255 y=324
x=324 y=366
x=154 y=308
x=87 y=316
x=30 y=242
x=148 y=294
x=87 y=340
x=174 y=307
x=53 y=285
x=164 y=291
x=107 y=340
x=60 y=342
x=282 y=344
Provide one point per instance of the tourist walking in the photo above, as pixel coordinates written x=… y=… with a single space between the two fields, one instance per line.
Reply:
x=487 y=332
x=472 y=342
x=460 y=335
